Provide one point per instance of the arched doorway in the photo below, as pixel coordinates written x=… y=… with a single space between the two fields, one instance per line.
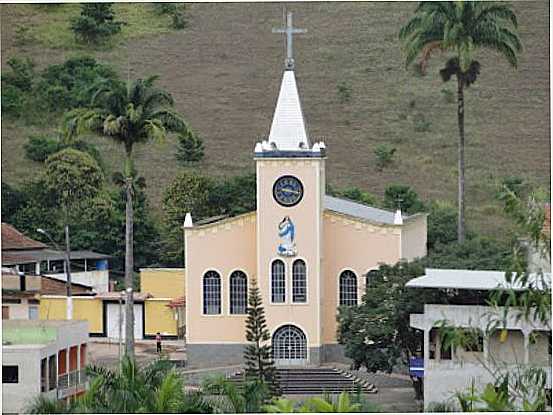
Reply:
x=289 y=346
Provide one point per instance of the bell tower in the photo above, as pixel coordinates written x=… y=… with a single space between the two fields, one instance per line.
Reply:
x=290 y=191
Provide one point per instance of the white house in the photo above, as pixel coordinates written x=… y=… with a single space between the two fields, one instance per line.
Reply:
x=42 y=357
x=446 y=371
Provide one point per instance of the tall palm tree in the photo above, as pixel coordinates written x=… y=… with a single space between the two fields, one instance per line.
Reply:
x=461 y=28
x=129 y=113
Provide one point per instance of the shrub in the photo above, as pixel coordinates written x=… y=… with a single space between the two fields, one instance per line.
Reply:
x=442 y=224
x=179 y=20
x=190 y=147
x=421 y=124
x=23 y=36
x=384 y=155
x=358 y=195
x=71 y=84
x=39 y=148
x=515 y=184
x=164 y=8
x=96 y=23
x=344 y=91
x=398 y=195
x=449 y=97
x=13 y=100
x=21 y=75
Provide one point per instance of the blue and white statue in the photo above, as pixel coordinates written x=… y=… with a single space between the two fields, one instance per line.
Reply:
x=286 y=231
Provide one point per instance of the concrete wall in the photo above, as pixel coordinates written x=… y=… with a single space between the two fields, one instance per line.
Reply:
x=413 y=237
x=53 y=307
x=20 y=311
x=15 y=396
x=162 y=282
x=159 y=317
x=97 y=279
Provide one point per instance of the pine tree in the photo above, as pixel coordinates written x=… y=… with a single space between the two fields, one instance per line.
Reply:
x=191 y=147
x=96 y=23
x=258 y=354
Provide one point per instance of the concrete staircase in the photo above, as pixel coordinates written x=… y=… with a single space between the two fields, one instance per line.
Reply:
x=316 y=381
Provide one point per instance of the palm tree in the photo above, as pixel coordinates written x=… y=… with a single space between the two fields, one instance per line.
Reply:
x=129 y=113
x=226 y=396
x=461 y=28
x=155 y=388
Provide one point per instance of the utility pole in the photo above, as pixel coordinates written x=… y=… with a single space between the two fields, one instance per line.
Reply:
x=66 y=267
x=68 y=274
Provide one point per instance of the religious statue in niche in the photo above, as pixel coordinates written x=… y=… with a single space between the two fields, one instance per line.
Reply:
x=286 y=231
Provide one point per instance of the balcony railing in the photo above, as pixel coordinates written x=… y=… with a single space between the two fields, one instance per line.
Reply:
x=72 y=383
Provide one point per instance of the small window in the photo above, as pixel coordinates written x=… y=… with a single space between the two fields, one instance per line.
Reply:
x=33 y=312
x=299 y=282
x=348 y=288
x=212 y=293
x=370 y=278
x=238 y=293
x=10 y=374
x=52 y=373
x=278 y=282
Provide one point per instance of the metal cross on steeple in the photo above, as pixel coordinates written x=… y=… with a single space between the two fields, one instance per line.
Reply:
x=290 y=31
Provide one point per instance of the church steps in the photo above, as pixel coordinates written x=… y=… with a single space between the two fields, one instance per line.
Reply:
x=316 y=381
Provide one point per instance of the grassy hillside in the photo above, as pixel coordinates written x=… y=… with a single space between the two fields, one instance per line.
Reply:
x=224 y=72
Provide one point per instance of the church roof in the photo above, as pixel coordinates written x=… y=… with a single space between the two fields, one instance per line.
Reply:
x=288 y=128
x=358 y=210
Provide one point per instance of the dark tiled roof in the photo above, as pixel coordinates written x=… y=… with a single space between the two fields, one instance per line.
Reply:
x=358 y=210
x=12 y=239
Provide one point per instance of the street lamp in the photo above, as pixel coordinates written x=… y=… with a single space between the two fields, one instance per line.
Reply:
x=66 y=268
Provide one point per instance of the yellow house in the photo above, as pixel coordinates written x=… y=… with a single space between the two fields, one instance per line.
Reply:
x=307 y=251
x=157 y=308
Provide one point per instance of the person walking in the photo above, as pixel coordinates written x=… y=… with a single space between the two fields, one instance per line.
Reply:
x=158 y=342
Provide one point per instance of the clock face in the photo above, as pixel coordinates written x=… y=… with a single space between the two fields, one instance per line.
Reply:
x=288 y=191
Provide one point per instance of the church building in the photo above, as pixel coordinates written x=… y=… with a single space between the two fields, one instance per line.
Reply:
x=308 y=252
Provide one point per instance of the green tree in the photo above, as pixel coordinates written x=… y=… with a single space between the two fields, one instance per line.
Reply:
x=129 y=113
x=190 y=147
x=442 y=224
x=188 y=192
x=258 y=355
x=461 y=28
x=73 y=176
x=96 y=23
x=398 y=195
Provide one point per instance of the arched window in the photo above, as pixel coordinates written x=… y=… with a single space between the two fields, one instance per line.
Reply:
x=238 y=292
x=289 y=346
x=212 y=293
x=278 y=282
x=348 y=288
x=370 y=278
x=299 y=282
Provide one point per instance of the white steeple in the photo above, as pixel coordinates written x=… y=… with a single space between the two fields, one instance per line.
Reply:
x=288 y=127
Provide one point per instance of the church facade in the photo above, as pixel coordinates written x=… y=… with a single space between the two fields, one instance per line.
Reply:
x=308 y=253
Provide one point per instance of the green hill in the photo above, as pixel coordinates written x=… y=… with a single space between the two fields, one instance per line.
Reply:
x=224 y=71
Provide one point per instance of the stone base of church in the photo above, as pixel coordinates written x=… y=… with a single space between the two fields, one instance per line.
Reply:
x=214 y=355
x=219 y=355
x=334 y=353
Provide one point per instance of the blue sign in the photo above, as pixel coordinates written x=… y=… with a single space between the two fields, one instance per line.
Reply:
x=416 y=367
